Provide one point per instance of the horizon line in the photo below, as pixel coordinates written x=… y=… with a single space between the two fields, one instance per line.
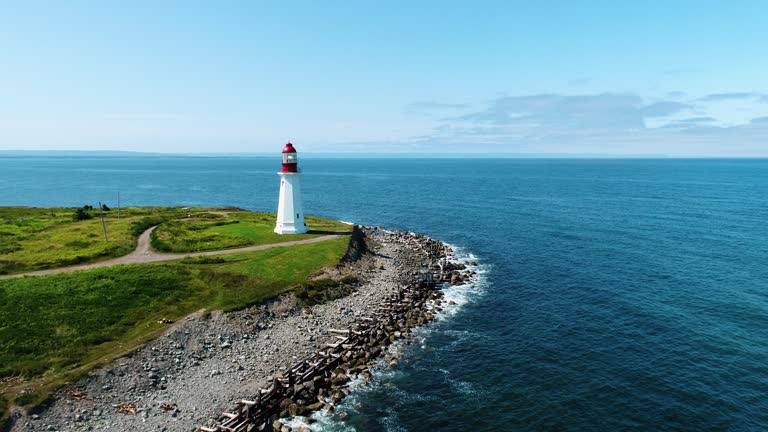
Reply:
x=365 y=155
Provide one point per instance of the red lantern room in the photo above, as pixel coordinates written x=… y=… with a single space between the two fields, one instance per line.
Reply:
x=290 y=160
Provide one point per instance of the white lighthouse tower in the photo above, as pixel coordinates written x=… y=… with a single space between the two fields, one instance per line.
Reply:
x=290 y=212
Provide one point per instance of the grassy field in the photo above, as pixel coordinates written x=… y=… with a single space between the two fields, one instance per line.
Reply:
x=41 y=238
x=222 y=231
x=53 y=328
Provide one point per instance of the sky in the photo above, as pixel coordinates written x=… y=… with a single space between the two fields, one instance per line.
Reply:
x=675 y=78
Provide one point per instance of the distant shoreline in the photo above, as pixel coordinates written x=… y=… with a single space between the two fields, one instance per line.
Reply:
x=346 y=155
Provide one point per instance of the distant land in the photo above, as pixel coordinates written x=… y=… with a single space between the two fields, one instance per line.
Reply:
x=330 y=155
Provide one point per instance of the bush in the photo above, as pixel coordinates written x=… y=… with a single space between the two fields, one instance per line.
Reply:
x=206 y=225
x=9 y=248
x=77 y=244
x=350 y=279
x=81 y=214
x=7 y=266
x=3 y=411
x=25 y=399
x=320 y=291
x=204 y=260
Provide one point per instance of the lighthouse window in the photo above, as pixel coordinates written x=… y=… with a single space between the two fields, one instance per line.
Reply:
x=297 y=215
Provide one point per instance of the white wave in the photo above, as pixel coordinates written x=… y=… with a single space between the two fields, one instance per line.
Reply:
x=454 y=299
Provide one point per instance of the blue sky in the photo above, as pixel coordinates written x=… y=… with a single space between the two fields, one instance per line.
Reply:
x=685 y=78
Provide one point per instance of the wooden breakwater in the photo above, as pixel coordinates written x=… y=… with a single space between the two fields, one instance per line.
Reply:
x=319 y=381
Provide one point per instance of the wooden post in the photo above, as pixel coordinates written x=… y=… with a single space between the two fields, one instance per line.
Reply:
x=118 y=205
x=103 y=224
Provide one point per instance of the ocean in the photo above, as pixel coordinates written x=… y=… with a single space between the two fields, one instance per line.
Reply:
x=613 y=294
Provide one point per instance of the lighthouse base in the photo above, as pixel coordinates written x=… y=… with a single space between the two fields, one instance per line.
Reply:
x=290 y=229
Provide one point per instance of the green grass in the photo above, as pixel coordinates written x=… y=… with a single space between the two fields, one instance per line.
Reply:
x=263 y=274
x=54 y=324
x=41 y=238
x=55 y=328
x=214 y=231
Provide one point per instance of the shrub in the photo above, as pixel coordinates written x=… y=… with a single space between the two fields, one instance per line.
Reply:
x=204 y=260
x=3 y=412
x=7 y=266
x=320 y=291
x=350 y=279
x=77 y=244
x=27 y=399
x=81 y=214
x=9 y=248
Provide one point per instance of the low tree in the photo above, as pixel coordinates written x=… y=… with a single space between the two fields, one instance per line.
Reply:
x=105 y=208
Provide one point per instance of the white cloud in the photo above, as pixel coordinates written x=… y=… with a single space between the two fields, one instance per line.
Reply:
x=608 y=123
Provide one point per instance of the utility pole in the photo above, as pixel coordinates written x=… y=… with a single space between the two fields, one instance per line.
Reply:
x=118 y=205
x=103 y=224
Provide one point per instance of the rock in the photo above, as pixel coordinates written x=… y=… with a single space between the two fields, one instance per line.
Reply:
x=315 y=406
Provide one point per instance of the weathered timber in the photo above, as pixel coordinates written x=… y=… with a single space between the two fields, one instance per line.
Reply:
x=321 y=376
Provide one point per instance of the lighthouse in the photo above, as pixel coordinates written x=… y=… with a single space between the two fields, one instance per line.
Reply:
x=290 y=212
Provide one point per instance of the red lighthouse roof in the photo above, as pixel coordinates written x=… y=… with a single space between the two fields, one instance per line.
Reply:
x=290 y=159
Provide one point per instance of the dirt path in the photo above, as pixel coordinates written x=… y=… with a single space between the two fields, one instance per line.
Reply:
x=144 y=254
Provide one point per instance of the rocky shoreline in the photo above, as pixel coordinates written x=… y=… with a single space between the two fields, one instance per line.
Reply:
x=205 y=364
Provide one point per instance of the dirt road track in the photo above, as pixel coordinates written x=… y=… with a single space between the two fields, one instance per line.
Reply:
x=144 y=254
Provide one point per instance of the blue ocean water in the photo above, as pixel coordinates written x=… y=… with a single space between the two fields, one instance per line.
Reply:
x=615 y=294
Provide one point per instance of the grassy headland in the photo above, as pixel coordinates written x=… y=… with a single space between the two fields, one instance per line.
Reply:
x=58 y=322
x=42 y=238
x=57 y=327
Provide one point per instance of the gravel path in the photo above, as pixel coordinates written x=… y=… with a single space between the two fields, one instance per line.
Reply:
x=144 y=254
x=203 y=365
